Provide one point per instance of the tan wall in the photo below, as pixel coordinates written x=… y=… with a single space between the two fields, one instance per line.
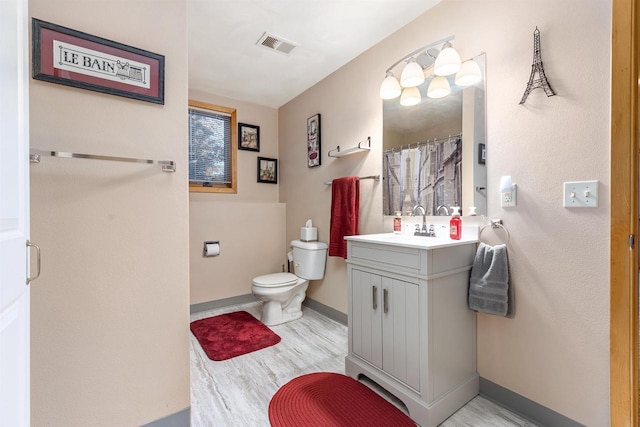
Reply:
x=351 y=111
x=555 y=351
x=109 y=315
x=251 y=237
x=250 y=225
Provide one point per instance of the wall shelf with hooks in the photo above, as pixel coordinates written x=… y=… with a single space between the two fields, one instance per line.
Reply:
x=361 y=147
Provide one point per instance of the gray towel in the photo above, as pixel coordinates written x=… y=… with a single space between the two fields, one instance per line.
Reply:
x=489 y=289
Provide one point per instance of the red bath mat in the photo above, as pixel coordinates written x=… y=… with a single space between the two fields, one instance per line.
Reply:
x=233 y=334
x=332 y=400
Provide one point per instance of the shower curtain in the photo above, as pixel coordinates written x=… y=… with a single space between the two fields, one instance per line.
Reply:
x=429 y=175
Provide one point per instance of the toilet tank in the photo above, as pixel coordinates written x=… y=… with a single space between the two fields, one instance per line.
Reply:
x=309 y=259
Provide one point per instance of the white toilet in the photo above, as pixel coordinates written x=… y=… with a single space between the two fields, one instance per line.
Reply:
x=282 y=293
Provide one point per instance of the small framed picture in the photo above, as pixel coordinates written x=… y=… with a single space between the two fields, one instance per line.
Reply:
x=313 y=141
x=248 y=137
x=267 y=170
x=482 y=154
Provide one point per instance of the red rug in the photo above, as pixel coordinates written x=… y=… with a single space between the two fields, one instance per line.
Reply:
x=325 y=399
x=233 y=334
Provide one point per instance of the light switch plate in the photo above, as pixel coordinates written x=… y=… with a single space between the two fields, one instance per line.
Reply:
x=580 y=194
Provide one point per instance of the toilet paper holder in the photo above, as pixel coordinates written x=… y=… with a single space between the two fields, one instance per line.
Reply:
x=211 y=248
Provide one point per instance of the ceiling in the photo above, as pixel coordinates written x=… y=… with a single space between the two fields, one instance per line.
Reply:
x=225 y=60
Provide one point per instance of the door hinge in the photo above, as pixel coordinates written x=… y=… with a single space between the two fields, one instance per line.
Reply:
x=632 y=241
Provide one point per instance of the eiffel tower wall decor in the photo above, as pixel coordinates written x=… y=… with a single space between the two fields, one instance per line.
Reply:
x=539 y=82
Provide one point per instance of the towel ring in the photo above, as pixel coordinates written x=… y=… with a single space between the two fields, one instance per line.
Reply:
x=496 y=223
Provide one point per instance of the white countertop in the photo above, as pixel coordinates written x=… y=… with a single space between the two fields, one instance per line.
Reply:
x=410 y=241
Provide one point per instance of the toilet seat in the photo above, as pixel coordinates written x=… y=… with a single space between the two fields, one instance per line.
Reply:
x=275 y=280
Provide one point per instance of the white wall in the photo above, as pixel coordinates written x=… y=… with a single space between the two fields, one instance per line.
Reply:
x=555 y=350
x=110 y=312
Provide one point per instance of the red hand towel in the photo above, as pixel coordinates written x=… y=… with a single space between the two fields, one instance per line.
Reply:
x=345 y=207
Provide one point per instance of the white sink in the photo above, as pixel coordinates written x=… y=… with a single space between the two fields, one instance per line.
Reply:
x=421 y=242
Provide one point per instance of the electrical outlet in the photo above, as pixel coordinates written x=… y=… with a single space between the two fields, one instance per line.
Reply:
x=508 y=199
x=580 y=194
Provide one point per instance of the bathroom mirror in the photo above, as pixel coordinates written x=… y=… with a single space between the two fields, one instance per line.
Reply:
x=434 y=152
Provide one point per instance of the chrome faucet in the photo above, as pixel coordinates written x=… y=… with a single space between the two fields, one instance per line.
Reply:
x=423 y=213
x=446 y=211
x=423 y=231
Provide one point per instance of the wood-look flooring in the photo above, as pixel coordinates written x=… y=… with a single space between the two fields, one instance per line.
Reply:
x=236 y=392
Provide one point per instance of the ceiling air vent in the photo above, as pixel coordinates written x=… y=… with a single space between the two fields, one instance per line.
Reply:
x=276 y=43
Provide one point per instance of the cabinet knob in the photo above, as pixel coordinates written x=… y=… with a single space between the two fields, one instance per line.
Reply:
x=385 y=300
x=375 y=297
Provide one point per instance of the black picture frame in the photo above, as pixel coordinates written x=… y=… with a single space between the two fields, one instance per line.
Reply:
x=482 y=154
x=267 y=170
x=314 y=151
x=248 y=137
x=72 y=58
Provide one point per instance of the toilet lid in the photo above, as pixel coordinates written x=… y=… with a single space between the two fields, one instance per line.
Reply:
x=275 y=279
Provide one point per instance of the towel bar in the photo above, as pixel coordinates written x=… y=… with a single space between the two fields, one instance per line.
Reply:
x=494 y=224
x=374 y=177
x=35 y=154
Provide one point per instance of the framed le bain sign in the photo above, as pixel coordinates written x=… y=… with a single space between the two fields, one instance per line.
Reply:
x=73 y=58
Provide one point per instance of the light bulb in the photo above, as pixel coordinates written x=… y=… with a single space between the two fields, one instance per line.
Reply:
x=438 y=88
x=410 y=96
x=390 y=87
x=469 y=74
x=412 y=74
x=447 y=62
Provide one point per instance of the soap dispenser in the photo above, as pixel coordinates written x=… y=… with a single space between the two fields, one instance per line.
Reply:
x=455 y=224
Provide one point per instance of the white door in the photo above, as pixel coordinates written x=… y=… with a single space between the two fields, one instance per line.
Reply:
x=14 y=213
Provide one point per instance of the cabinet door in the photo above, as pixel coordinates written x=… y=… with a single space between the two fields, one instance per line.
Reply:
x=401 y=330
x=366 y=312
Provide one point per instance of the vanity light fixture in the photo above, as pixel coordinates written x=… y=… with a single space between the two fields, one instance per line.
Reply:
x=391 y=87
x=420 y=64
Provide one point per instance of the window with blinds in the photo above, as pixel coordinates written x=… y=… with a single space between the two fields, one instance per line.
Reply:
x=212 y=148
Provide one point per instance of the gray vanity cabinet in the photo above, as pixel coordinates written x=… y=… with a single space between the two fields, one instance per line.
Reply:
x=410 y=330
